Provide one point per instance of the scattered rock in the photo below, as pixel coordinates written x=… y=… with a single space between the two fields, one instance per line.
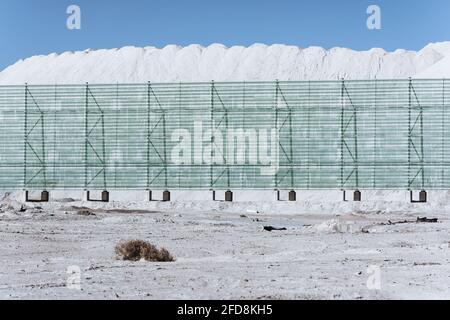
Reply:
x=65 y=200
x=270 y=229
x=426 y=220
x=396 y=222
x=426 y=264
x=419 y=220
x=85 y=213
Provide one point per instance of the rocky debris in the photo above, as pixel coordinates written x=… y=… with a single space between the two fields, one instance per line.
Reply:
x=270 y=229
x=85 y=212
x=426 y=220
x=419 y=220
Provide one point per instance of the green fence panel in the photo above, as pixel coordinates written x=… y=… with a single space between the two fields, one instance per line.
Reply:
x=377 y=134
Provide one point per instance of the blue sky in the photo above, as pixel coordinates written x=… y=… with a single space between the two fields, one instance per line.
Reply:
x=30 y=27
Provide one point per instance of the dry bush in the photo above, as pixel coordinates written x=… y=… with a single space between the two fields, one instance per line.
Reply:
x=135 y=250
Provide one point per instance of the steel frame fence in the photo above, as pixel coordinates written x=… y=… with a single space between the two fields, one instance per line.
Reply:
x=390 y=134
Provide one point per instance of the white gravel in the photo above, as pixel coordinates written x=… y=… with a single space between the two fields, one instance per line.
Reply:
x=222 y=253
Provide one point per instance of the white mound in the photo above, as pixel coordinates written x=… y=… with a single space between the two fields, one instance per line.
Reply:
x=440 y=69
x=336 y=226
x=216 y=62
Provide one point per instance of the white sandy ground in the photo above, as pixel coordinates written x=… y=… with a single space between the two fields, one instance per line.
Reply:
x=222 y=251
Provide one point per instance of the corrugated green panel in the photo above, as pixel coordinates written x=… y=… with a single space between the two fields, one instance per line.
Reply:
x=12 y=135
x=261 y=135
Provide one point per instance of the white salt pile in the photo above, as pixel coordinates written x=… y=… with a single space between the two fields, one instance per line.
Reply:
x=258 y=62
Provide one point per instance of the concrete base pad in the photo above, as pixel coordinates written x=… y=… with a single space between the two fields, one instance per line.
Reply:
x=45 y=197
x=165 y=196
x=104 y=197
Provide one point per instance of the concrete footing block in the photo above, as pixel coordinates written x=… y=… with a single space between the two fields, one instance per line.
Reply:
x=228 y=196
x=104 y=197
x=357 y=196
x=423 y=197
x=165 y=196
x=292 y=196
x=45 y=197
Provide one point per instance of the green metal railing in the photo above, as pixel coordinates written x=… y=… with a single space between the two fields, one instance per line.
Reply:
x=390 y=134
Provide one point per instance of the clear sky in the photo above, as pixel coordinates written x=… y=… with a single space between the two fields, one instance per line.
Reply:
x=30 y=27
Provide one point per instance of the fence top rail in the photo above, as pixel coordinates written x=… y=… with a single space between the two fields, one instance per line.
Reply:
x=172 y=84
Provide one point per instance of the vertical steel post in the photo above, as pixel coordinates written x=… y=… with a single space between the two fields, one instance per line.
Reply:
x=25 y=139
x=342 y=132
x=355 y=141
x=308 y=137
x=44 y=166
x=212 y=135
x=116 y=125
x=243 y=123
x=148 y=134
x=165 y=147
x=443 y=136
x=228 y=164
x=409 y=134
x=375 y=140
x=276 y=128
x=54 y=133
x=103 y=148
x=179 y=127
x=86 y=123
x=291 y=151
